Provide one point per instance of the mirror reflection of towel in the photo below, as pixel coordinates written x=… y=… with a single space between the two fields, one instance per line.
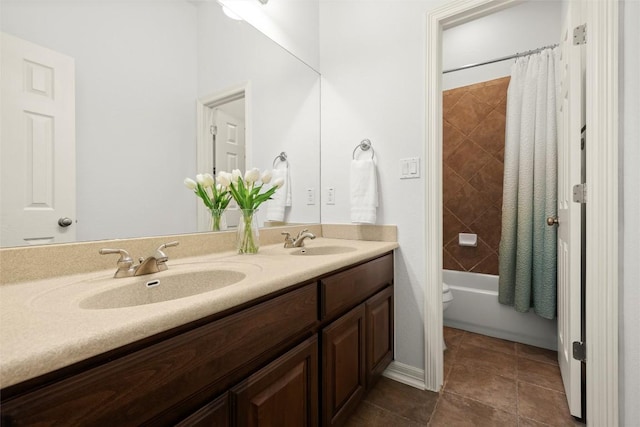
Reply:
x=281 y=198
x=364 y=191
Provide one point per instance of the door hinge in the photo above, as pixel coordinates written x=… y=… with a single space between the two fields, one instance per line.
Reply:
x=579 y=351
x=213 y=130
x=580 y=34
x=580 y=193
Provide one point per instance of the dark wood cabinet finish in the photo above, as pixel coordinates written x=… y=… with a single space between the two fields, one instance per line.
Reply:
x=379 y=323
x=283 y=394
x=215 y=414
x=147 y=384
x=343 y=290
x=343 y=362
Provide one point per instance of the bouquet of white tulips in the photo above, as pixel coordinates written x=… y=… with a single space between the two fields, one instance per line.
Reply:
x=246 y=191
x=215 y=197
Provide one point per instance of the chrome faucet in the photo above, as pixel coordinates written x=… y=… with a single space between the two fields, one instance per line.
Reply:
x=152 y=264
x=298 y=242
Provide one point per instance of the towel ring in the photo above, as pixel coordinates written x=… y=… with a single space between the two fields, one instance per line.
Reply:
x=364 y=145
x=282 y=157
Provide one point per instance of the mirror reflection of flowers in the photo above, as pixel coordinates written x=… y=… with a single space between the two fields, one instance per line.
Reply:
x=215 y=197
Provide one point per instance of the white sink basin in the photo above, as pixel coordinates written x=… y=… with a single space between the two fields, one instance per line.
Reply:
x=150 y=289
x=323 y=250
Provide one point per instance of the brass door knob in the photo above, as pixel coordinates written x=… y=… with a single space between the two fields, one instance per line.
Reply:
x=552 y=220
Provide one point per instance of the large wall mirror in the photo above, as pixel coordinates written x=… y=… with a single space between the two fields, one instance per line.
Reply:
x=146 y=77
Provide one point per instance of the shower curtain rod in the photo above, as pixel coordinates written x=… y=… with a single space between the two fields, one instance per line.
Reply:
x=504 y=58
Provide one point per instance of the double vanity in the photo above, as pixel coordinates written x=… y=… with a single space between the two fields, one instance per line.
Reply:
x=290 y=336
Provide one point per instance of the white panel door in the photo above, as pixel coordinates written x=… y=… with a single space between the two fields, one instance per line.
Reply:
x=37 y=146
x=229 y=152
x=570 y=122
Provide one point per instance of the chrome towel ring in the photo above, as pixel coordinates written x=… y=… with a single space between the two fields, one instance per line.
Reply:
x=282 y=157
x=364 y=145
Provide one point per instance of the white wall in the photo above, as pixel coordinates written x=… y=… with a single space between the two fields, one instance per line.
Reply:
x=128 y=126
x=284 y=100
x=291 y=23
x=372 y=56
x=630 y=230
x=529 y=25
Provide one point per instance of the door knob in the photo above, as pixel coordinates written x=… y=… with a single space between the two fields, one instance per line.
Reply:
x=552 y=220
x=65 y=222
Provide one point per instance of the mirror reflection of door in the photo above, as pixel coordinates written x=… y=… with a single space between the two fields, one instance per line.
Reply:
x=226 y=124
x=37 y=146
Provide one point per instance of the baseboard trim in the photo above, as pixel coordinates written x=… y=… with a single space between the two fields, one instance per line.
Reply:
x=406 y=374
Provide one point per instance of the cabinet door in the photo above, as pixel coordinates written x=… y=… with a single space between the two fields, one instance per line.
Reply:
x=343 y=363
x=379 y=321
x=282 y=394
x=215 y=414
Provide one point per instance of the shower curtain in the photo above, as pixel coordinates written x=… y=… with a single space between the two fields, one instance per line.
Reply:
x=528 y=244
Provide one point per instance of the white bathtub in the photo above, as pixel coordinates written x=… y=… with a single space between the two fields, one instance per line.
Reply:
x=475 y=308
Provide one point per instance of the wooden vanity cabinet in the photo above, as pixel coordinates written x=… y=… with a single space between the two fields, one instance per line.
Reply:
x=302 y=358
x=169 y=380
x=358 y=345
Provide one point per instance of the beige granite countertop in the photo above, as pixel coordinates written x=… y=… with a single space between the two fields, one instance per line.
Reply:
x=42 y=327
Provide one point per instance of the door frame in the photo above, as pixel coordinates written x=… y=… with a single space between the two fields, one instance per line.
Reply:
x=602 y=200
x=203 y=149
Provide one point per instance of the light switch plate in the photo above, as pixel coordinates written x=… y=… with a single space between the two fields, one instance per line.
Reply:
x=410 y=168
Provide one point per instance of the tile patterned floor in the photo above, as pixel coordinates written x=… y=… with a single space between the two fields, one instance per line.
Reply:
x=487 y=382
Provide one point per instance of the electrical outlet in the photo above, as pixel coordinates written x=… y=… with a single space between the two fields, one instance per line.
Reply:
x=311 y=196
x=331 y=196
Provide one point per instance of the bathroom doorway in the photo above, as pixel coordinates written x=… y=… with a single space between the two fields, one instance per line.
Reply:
x=601 y=117
x=474 y=117
x=222 y=142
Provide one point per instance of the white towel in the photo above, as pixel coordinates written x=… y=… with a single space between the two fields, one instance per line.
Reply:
x=281 y=198
x=364 y=191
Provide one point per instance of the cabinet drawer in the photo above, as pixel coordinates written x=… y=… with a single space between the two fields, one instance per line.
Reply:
x=200 y=363
x=342 y=291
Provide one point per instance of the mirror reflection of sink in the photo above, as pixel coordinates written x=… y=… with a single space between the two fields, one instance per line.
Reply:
x=323 y=250
x=159 y=288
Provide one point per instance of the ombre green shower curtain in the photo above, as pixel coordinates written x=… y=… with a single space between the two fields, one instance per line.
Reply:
x=528 y=248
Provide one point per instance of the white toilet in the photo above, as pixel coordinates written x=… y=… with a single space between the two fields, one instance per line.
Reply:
x=447 y=299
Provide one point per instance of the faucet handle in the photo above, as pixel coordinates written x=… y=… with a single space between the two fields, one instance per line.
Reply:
x=125 y=262
x=161 y=257
x=125 y=258
x=163 y=246
x=288 y=240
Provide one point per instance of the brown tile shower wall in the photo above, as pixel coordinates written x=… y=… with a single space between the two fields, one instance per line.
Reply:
x=473 y=165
